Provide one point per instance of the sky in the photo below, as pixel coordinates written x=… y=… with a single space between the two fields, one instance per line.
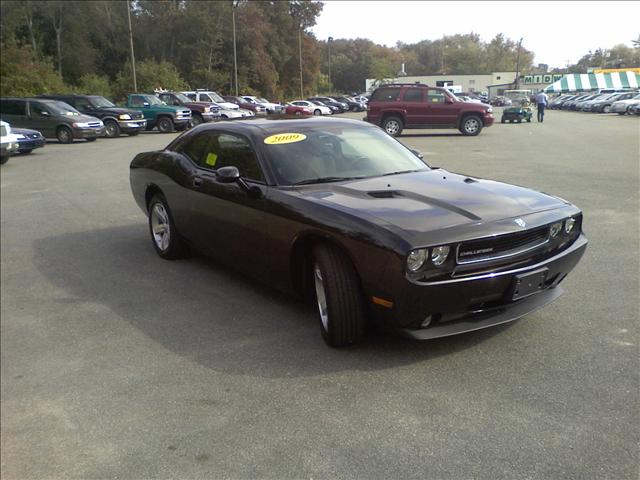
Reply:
x=542 y=25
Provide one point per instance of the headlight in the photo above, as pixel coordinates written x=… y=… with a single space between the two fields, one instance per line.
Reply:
x=489 y=110
x=207 y=110
x=568 y=224
x=80 y=125
x=439 y=255
x=555 y=229
x=124 y=116
x=416 y=259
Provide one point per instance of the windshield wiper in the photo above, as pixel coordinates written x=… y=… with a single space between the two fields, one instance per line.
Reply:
x=310 y=181
x=401 y=171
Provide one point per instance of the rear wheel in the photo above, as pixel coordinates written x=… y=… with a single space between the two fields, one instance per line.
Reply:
x=471 y=125
x=393 y=126
x=606 y=109
x=338 y=296
x=165 y=125
x=165 y=238
x=317 y=111
x=111 y=129
x=64 y=135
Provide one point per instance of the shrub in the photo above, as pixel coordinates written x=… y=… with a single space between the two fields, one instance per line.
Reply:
x=24 y=76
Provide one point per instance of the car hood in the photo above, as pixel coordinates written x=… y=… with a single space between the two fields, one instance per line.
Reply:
x=227 y=105
x=421 y=202
x=117 y=110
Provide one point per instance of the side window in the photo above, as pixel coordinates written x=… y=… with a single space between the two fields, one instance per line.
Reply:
x=137 y=101
x=435 y=96
x=81 y=104
x=192 y=96
x=412 y=95
x=236 y=151
x=386 y=94
x=197 y=148
x=168 y=99
x=13 y=107
x=39 y=108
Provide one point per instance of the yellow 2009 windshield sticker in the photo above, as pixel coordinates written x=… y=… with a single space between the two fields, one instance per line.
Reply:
x=282 y=138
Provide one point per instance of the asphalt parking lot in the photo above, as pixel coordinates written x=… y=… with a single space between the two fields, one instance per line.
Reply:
x=117 y=364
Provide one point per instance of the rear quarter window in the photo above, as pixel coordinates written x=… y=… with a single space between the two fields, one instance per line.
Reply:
x=13 y=107
x=388 y=94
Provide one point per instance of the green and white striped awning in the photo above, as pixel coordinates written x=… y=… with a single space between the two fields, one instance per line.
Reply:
x=584 y=82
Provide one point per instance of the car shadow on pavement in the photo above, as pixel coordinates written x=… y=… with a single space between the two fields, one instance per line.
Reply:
x=212 y=315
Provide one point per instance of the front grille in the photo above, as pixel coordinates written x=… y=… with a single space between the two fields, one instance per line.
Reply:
x=94 y=124
x=136 y=115
x=503 y=246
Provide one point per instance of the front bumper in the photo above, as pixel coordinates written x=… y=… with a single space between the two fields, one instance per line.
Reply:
x=30 y=144
x=9 y=148
x=88 y=132
x=132 y=125
x=465 y=304
x=488 y=119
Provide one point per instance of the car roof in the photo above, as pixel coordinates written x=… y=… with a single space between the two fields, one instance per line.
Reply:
x=264 y=126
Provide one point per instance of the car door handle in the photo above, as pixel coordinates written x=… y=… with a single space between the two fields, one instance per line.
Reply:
x=197 y=182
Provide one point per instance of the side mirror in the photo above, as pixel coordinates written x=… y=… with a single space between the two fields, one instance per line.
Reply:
x=417 y=154
x=145 y=104
x=44 y=113
x=228 y=174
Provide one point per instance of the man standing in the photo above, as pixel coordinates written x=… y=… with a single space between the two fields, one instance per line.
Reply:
x=542 y=100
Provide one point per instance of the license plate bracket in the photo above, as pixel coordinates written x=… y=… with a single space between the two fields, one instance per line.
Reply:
x=529 y=283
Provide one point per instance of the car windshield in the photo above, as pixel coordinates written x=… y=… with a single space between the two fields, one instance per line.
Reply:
x=214 y=96
x=334 y=153
x=101 y=102
x=61 y=108
x=152 y=100
x=182 y=97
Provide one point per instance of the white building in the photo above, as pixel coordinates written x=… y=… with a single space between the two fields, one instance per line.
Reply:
x=468 y=83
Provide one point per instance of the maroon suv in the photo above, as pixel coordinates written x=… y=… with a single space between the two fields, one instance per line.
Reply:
x=395 y=107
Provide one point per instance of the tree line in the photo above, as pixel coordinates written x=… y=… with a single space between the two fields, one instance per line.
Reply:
x=83 y=46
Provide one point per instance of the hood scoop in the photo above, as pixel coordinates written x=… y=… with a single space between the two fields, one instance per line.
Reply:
x=385 y=194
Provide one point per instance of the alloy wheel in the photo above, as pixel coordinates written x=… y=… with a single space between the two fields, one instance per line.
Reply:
x=321 y=297
x=392 y=127
x=471 y=125
x=160 y=226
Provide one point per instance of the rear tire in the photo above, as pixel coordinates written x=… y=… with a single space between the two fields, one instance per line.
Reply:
x=317 y=112
x=339 y=297
x=166 y=240
x=165 y=125
x=64 y=135
x=471 y=125
x=393 y=126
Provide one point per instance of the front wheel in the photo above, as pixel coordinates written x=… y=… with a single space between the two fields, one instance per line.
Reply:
x=298 y=113
x=317 y=111
x=606 y=109
x=166 y=240
x=338 y=296
x=196 y=120
x=165 y=125
x=111 y=129
x=393 y=126
x=64 y=135
x=471 y=126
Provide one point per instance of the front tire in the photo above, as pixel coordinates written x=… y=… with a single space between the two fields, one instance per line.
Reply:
x=111 y=129
x=606 y=109
x=393 y=126
x=338 y=296
x=64 y=135
x=317 y=112
x=196 y=120
x=166 y=240
x=165 y=125
x=471 y=126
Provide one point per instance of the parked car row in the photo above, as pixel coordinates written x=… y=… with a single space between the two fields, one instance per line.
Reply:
x=616 y=102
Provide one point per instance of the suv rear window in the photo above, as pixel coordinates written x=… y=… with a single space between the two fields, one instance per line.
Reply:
x=386 y=94
x=13 y=107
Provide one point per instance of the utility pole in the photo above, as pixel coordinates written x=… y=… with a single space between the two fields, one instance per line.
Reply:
x=235 y=55
x=329 y=48
x=518 y=66
x=133 y=58
x=300 y=53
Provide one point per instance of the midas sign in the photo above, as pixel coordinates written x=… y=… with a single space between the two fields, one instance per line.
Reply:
x=543 y=78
